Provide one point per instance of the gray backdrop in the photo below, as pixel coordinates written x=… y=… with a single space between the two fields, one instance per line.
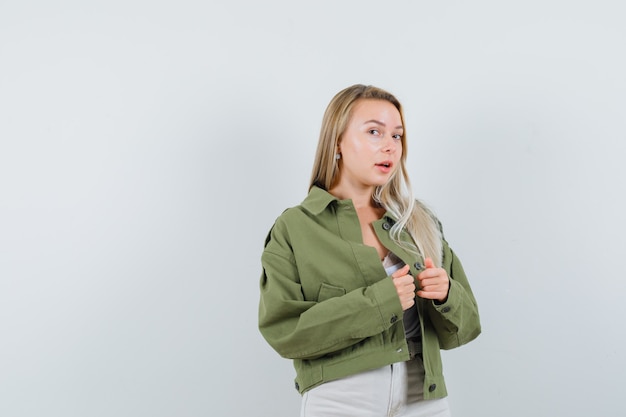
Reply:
x=147 y=147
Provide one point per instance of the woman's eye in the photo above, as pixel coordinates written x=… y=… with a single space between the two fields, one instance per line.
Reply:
x=374 y=132
x=397 y=137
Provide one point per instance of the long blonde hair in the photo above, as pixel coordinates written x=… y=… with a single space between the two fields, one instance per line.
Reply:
x=396 y=195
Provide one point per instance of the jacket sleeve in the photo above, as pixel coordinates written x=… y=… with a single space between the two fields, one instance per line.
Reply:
x=302 y=329
x=456 y=321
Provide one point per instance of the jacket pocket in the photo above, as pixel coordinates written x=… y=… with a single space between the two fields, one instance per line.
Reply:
x=329 y=291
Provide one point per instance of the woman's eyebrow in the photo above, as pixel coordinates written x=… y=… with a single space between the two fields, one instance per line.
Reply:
x=378 y=122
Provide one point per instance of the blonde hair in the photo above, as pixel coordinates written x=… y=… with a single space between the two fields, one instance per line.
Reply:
x=396 y=195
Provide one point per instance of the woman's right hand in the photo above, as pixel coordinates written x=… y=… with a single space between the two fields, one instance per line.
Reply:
x=405 y=287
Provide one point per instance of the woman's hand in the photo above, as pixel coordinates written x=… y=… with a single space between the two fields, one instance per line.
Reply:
x=434 y=282
x=405 y=287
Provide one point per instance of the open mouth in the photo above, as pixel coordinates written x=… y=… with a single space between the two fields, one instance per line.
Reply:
x=385 y=164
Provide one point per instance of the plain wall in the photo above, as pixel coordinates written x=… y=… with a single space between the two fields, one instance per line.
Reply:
x=146 y=148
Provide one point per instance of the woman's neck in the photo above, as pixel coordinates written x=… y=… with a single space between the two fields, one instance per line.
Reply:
x=361 y=198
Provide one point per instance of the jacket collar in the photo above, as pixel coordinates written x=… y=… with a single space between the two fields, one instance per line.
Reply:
x=317 y=200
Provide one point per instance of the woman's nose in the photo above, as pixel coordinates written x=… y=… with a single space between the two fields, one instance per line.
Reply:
x=389 y=144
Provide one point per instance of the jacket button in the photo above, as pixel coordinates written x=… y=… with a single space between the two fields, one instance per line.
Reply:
x=417 y=265
x=394 y=318
x=445 y=309
x=432 y=387
x=386 y=226
x=297 y=386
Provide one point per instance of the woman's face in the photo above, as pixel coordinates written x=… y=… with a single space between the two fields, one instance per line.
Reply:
x=371 y=145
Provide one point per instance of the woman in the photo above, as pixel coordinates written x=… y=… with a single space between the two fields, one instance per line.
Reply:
x=359 y=287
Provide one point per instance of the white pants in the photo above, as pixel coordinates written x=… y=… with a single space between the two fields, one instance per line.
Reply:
x=382 y=392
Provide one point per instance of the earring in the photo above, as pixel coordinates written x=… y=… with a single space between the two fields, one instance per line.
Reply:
x=337 y=156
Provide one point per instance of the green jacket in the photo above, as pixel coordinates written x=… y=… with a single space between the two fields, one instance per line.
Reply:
x=327 y=303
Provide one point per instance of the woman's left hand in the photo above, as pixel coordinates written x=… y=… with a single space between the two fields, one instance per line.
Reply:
x=434 y=282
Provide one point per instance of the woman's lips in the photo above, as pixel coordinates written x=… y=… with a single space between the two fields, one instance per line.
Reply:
x=384 y=166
